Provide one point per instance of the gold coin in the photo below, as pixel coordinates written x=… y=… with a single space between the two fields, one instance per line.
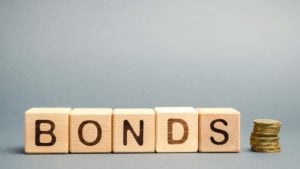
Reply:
x=266 y=131
x=266 y=122
x=268 y=125
x=264 y=135
x=266 y=147
x=266 y=128
x=265 y=143
x=254 y=138
x=266 y=151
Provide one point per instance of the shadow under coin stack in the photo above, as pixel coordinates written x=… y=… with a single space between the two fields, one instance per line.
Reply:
x=265 y=136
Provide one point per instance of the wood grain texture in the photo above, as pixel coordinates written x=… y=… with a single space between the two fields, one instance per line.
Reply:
x=133 y=130
x=91 y=130
x=54 y=122
x=176 y=129
x=214 y=123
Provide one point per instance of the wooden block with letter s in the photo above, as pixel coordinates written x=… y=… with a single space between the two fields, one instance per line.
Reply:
x=91 y=130
x=219 y=130
x=133 y=130
x=47 y=130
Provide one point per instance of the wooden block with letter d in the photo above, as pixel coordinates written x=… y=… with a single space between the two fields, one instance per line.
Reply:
x=90 y=130
x=47 y=130
x=176 y=129
x=133 y=130
x=219 y=130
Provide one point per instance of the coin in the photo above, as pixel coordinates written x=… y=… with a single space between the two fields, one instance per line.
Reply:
x=265 y=135
x=266 y=122
x=265 y=150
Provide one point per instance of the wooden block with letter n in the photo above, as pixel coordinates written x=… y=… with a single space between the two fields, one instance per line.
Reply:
x=219 y=130
x=133 y=130
x=176 y=129
x=47 y=130
x=90 y=130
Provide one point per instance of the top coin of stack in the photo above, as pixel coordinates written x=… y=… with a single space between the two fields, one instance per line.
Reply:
x=265 y=135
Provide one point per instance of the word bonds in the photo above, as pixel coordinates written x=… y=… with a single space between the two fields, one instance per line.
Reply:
x=104 y=130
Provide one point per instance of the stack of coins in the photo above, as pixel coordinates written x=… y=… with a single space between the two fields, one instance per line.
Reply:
x=265 y=136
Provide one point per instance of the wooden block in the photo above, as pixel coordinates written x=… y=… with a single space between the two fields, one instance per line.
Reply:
x=47 y=130
x=219 y=130
x=133 y=130
x=90 y=130
x=176 y=129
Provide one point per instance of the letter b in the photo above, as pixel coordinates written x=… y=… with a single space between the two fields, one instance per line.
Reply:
x=39 y=132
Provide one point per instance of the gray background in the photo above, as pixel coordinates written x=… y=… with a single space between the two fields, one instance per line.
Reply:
x=121 y=53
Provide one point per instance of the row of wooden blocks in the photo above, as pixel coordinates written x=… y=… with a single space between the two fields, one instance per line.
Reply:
x=163 y=129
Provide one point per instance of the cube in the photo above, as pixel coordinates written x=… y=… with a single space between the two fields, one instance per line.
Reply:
x=219 y=130
x=176 y=129
x=91 y=130
x=47 y=130
x=133 y=130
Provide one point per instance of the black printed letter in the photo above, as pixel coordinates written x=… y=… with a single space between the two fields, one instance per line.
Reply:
x=38 y=133
x=212 y=127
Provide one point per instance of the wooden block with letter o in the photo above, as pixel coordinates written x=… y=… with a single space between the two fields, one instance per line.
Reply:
x=47 y=130
x=176 y=129
x=219 y=130
x=133 y=130
x=90 y=130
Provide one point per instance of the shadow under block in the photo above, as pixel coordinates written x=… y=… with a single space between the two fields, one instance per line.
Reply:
x=219 y=130
x=47 y=130
x=90 y=130
x=176 y=129
x=133 y=130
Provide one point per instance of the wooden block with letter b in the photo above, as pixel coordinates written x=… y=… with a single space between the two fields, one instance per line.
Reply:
x=47 y=130
x=133 y=130
x=219 y=130
x=176 y=129
x=90 y=130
